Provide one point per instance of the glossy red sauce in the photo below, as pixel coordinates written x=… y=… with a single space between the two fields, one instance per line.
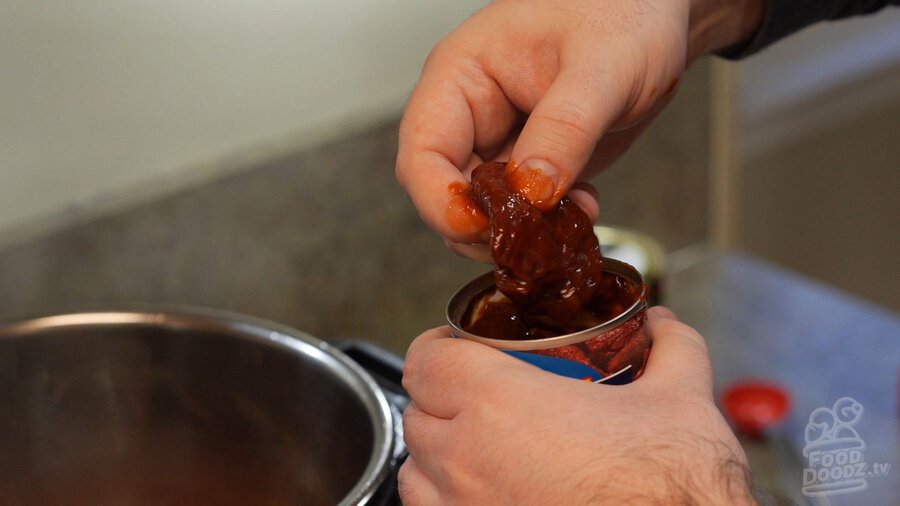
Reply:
x=548 y=266
x=491 y=314
x=463 y=214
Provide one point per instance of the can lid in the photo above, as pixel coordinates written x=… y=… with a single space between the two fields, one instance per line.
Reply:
x=459 y=304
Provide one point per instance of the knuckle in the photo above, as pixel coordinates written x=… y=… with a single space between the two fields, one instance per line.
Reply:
x=706 y=372
x=409 y=371
x=494 y=396
x=403 y=475
x=565 y=123
x=413 y=428
x=431 y=361
x=685 y=333
x=406 y=483
x=400 y=173
x=406 y=148
x=444 y=50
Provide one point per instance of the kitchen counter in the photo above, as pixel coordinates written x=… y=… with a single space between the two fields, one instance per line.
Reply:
x=761 y=321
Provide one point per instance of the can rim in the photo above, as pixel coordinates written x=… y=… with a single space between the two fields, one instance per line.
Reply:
x=460 y=300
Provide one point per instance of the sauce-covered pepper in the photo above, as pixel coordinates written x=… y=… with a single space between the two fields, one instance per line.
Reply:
x=548 y=266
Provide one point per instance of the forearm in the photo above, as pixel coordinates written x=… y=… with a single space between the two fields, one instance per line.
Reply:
x=728 y=483
x=738 y=28
x=681 y=468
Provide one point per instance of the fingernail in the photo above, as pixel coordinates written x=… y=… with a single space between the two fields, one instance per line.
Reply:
x=535 y=179
x=462 y=214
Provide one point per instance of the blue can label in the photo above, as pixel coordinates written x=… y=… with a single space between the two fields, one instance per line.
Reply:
x=573 y=369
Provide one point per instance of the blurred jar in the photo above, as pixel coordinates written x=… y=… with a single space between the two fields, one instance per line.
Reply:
x=639 y=250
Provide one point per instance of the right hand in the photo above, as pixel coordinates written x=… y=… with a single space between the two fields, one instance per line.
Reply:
x=561 y=87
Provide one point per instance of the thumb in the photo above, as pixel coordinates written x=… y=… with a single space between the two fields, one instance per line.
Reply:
x=679 y=355
x=562 y=132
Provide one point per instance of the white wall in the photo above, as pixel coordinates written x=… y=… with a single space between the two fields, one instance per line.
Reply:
x=819 y=123
x=99 y=98
x=824 y=74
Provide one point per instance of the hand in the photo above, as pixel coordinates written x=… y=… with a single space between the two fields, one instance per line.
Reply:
x=485 y=428
x=552 y=85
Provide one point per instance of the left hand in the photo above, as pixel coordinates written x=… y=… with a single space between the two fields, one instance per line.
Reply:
x=486 y=428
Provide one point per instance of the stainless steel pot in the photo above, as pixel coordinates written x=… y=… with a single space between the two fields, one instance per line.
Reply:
x=186 y=408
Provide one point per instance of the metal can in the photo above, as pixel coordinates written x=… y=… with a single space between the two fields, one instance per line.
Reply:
x=613 y=352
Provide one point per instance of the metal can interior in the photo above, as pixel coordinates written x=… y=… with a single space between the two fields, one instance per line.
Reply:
x=545 y=353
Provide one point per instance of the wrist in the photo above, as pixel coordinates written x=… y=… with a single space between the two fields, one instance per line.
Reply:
x=649 y=482
x=682 y=469
x=715 y=25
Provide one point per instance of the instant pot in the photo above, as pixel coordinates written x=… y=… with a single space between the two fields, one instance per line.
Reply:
x=193 y=407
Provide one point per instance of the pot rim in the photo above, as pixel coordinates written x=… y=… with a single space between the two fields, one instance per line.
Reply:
x=265 y=333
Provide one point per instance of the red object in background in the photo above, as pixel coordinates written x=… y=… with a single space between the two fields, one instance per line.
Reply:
x=754 y=406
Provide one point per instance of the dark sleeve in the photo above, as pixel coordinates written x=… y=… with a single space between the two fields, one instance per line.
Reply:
x=784 y=17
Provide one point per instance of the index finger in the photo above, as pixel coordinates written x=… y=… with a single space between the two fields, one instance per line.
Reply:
x=442 y=373
x=435 y=146
x=458 y=116
x=437 y=135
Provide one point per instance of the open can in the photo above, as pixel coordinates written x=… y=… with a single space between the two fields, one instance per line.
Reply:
x=612 y=352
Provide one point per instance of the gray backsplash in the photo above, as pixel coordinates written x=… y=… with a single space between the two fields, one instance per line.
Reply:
x=326 y=241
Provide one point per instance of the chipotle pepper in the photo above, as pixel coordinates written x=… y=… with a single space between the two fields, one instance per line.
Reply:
x=548 y=266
